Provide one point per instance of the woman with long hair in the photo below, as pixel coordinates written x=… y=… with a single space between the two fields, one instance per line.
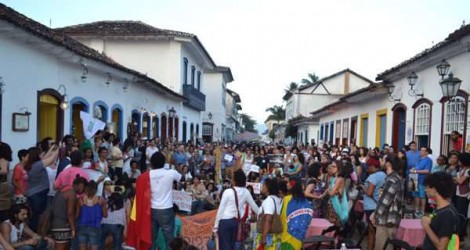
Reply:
x=271 y=206
x=90 y=211
x=38 y=181
x=315 y=188
x=226 y=222
x=337 y=207
x=299 y=211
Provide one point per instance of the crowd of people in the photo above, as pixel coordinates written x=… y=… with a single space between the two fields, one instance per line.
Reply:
x=102 y=193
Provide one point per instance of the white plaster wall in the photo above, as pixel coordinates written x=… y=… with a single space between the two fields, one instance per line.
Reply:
x=214 y=90
x=370 y=107
x=334 y=85
x=26 y=70
x=428 y=83
x=356 y=83
x=310 y=103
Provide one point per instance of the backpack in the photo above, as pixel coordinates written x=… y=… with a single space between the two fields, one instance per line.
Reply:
x=454 y=242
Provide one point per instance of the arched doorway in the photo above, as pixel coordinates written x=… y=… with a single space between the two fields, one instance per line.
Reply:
x=100 y=111
x=135 y=122
x=399 y=126
x=163 y=133
x=191 y=132
x=116 y=119
x=77 y=104
x=176 y=128
x=155 y=127
x=50 y=122
x=146 y=125
x=185 y=132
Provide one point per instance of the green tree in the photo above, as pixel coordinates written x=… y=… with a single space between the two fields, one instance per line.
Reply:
x=248 y=123
x=291 y=87
x=312 y=78
x=278 y=113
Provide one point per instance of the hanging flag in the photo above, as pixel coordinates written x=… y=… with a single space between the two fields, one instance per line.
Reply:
x=91 y=125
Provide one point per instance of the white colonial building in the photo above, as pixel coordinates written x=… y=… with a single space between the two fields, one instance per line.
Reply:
x=47 y=78
x=176 y=59
x=215 y=118
x=409 y=103
x=304 y=99
x=232 y=108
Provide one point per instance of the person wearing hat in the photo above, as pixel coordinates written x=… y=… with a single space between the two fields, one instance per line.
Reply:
x=372 y=187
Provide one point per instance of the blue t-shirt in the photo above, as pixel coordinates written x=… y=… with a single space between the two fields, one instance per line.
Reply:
x=38 y=181
x=180 y=158
x=378 y=179
x=412 y=158
x=424 y=163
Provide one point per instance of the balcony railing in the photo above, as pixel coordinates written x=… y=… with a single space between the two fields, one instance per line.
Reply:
x=195 y=99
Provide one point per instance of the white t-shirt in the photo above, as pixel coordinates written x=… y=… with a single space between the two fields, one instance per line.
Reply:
x=161 y=187
x=267 y=207
x=149 y=152
x=228 y=209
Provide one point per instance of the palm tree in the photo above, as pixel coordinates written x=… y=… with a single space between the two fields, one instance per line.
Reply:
x=312 y=78
x=278 y=113
x=291 y=87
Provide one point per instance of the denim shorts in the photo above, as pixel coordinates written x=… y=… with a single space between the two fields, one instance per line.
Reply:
x=421 y=192
x=89 y=235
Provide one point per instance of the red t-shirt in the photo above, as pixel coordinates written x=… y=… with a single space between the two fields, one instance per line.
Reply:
x=457 y=145
x=20 y=176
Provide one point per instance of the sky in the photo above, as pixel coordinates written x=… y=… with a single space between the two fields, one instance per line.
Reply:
x=270 y=43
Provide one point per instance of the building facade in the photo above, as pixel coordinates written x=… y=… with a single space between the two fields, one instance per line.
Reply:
x=325 y=91
x=408 y=104
x=48 y=78
x=232 y=109
x=177 y=59
x=214 y=124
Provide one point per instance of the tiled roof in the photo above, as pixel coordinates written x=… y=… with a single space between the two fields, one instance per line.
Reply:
x=29 y=25
x=127 y=28
x=453 y=37
x=120 y=28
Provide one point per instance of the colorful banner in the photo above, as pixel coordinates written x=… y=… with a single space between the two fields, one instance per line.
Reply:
x=183 y=200
x=197 y=229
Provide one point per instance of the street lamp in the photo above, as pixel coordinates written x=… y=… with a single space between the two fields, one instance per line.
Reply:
x=65 y=100
x=209 y=115
x=84 y=70
x=412 y=79
x=391 y=90
x=450 y=86
x=443 y=68
x=172 y=112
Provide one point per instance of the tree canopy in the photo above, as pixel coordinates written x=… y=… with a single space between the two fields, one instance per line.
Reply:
x=248 y=123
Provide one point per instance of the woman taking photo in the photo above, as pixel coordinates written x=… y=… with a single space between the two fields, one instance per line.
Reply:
x=38 y=181
x=315 y=188
x=226 y=222
x=270 y=207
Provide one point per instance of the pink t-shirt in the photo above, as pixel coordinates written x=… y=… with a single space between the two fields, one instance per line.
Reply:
x=66 y=178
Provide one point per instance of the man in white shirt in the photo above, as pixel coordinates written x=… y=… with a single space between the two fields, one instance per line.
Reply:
x=161 y=198
x=151 y=149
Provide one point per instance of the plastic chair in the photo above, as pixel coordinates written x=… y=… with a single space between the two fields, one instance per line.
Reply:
x=398 y=244
x=319 y=240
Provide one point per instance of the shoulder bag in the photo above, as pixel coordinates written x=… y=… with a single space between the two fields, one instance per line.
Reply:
x=276 y=225
x=243 y=229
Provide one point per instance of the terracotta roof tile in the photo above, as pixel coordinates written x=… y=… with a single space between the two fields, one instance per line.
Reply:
x=120 y=28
